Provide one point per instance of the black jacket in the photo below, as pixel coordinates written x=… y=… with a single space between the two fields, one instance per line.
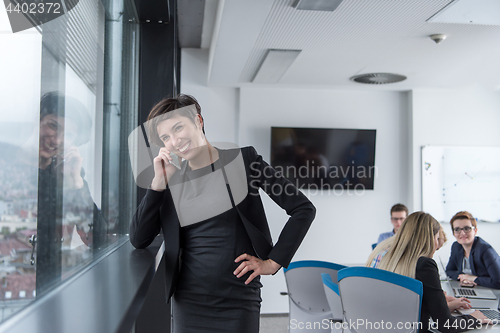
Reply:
x=484 y=263
x=434 y=302
x=157 y=212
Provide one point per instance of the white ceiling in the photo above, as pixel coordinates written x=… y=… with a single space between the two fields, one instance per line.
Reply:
x=361 y=36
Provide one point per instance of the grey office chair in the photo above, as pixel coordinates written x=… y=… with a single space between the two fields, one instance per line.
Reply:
x=309 y=309
x=373 y=297
x=333 y=299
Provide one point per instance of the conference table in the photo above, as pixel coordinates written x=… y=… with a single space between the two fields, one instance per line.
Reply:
x=476 y=303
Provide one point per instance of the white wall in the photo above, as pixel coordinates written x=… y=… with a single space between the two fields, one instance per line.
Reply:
x=466 y=117
x=219 y=106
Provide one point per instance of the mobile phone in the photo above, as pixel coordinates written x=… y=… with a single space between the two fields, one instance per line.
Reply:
x=58 y=159
x=175 y=160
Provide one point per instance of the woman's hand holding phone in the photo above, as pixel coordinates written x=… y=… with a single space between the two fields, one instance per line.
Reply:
x=164 y=169
x=69 y=163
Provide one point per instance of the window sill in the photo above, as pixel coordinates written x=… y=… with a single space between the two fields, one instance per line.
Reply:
x=107 y=297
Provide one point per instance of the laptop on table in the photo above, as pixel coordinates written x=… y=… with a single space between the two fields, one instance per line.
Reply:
x=492 y=314
x=471 y=293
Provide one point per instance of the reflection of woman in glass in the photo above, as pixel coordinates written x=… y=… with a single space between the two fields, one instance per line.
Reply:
x=66 y=211
x=217 y=288
x=64 y=125
x=472 y=261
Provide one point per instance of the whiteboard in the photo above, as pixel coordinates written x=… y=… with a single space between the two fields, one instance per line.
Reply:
x=461 y=178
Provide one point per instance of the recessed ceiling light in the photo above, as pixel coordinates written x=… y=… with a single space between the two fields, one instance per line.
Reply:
x=321 y=5
x=275 y=64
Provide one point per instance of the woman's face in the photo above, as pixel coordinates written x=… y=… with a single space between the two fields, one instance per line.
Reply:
x=54 y=131
x=464 y=238
x=436 y=242
x=440 y=240
x=182 y=136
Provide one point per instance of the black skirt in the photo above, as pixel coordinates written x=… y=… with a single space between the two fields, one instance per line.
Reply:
x=209 y=314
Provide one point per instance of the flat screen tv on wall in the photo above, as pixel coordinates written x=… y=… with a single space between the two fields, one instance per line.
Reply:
x=327 y=159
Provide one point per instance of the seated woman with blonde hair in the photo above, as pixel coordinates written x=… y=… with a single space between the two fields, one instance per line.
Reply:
x=384 y=246
x=410 y=253
x=382 y=249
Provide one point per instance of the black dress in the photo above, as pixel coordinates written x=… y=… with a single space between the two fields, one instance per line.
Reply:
x=209 y=297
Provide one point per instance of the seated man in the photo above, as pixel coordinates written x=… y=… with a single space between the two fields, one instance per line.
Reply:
x=398 y=214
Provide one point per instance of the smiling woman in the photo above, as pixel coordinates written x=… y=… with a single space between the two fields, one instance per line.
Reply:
x=209 y=210
x=170 y=129
x=472 y=260
x=64 y=124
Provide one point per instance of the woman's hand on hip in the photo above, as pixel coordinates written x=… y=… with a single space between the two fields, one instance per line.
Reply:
x=258 y=266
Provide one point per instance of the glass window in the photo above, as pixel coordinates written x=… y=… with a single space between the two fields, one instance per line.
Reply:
x=69 y=101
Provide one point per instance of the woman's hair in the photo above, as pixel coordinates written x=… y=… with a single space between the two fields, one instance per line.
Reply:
x=464 y=215
x=414 y=239
x=442 y=237
x=168 y=108
x=70 y=108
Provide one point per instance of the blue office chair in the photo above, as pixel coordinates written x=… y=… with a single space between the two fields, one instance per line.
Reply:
x=374 y=296
x=309 y=309
x=333 y=299
x=374 y=245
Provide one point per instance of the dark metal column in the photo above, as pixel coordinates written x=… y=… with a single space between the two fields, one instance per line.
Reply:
x=159 y=77
x=159 y=57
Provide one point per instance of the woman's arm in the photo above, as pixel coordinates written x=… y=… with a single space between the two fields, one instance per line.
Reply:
x=288 y=197
x=435 y=301
x=457 y=303
x=146 y=224
x=491 y=261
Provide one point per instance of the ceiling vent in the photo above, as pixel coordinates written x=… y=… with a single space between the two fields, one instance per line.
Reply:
x=378 y=78
x=321 y=5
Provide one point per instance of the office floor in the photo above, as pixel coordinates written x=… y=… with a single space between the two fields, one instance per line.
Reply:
x=276 y=323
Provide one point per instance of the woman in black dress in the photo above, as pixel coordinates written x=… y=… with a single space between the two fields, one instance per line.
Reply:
x=212 y=219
